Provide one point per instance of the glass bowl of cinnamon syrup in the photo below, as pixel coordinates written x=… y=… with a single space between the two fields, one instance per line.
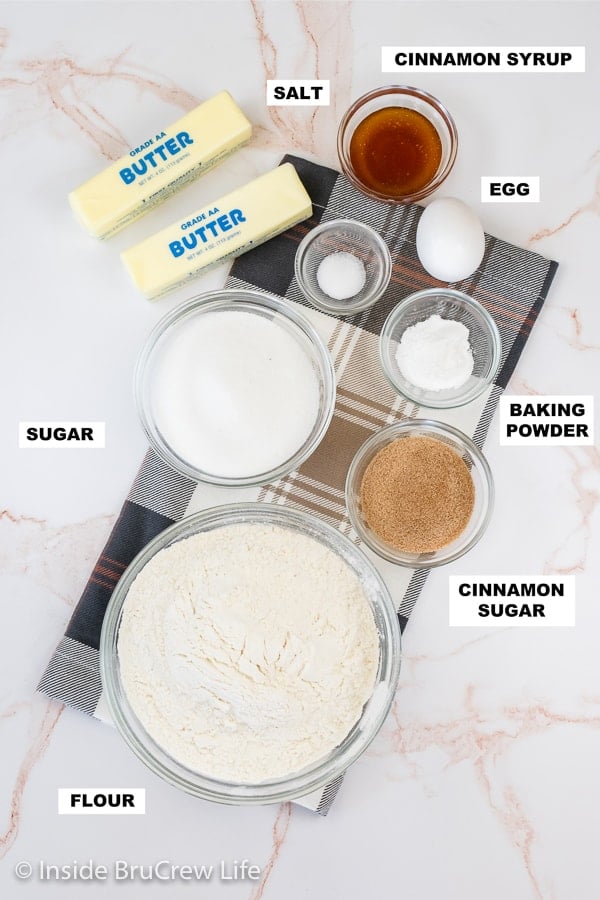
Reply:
x=397 y=144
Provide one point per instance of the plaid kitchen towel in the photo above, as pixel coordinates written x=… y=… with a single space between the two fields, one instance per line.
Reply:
x=511 y=283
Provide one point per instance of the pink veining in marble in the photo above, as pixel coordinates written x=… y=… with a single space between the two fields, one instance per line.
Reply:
x=593 y=206
x=567 y=323
x=328 y=40
x=576 y=319
x=571 y=556
x=280 y=830
x=468 y=737
x=411 y=661
x=13 y=709
x=61 y=84
x=574 y=334
x=64 y=85
x=38 y=746
x=58 y=558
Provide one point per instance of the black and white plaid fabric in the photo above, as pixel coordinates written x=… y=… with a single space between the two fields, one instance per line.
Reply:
x=511 y=283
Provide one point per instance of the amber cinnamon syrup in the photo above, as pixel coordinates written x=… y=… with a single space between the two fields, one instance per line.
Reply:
x=395 y=151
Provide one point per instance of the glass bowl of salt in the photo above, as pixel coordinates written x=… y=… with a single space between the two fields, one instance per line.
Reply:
x=440 y=348
x=343 y=267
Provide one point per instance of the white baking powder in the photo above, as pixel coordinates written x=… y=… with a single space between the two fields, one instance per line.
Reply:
x=435 y=354
x=341 y=275
x=234 y=393
x=247 y=652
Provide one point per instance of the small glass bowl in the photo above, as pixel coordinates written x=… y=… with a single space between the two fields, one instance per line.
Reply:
x=410 y=98
x=480 y=473
x=343 y=236
x=374 y=711
x=484 y=339
x=258 y=304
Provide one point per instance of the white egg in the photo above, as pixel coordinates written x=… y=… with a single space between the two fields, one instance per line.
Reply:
x=450 y=239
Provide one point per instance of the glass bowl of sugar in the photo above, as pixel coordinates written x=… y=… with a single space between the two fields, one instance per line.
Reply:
x=235 y=388
x=343 y=267
x=440 y=348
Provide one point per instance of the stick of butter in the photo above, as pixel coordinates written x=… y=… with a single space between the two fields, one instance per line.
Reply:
x=160 y=166
x=227 y=227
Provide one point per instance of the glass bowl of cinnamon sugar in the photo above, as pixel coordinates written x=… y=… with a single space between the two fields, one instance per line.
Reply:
x=419 y=493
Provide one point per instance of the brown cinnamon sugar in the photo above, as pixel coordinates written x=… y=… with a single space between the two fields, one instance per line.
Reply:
x=417 y=494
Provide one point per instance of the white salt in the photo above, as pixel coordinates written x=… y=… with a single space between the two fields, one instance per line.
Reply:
x=341 y=275
x=234 y=393
x=435 y=355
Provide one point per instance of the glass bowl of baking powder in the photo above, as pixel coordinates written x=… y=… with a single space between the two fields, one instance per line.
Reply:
x=296 y=556
x=421 y=354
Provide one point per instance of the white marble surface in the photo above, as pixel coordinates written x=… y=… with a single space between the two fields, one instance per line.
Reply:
x=485 y=780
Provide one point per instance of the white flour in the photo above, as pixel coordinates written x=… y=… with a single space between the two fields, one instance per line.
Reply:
x=247 y=652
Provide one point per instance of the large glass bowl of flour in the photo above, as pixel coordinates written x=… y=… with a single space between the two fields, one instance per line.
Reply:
x=240 y=685
x=234 y=387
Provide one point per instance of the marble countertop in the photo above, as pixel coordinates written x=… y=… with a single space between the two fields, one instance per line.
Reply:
x=484 y=782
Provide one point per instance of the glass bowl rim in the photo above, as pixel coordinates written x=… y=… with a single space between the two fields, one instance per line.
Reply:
x=378 y=440
x=349 y=308
x=219 y=299
x=288 y=787
x=398 y=90
x=470 y=303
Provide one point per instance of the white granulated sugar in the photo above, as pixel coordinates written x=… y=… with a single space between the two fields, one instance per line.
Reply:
x=341 y=275
x=234 y=393
x=247 y=652
x=435 y=355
